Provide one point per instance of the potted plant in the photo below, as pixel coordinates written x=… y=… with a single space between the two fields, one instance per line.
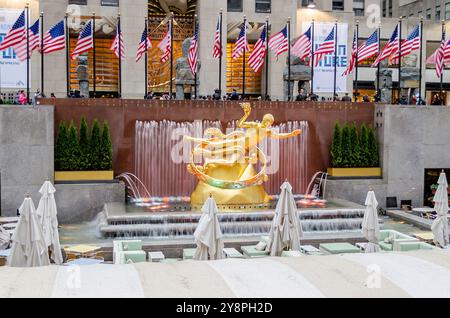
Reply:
x=84 y=156
x=354 y=154
x=433 y=188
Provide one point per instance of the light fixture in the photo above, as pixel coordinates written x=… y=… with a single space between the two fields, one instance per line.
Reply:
x=311 y=4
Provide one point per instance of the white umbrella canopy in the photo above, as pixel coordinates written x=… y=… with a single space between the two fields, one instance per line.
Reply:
x=4 y=238
x=28 y=244
x=208 y=236
x=286 y=231
x=370 y=225
x=440 y=224
x=46 y=213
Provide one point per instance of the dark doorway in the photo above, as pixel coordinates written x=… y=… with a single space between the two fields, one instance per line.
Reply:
x=431 y=179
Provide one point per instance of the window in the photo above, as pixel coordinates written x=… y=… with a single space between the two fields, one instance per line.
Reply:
x=437 y=14
x=263 y=6
x=358 y=7
x=81 y=2
x=428 y=15
x=384 y=8
x=234 y=5
x=111 y=3
x=338 y=5
x=390 y=9
x=419 y=14
x=447 y=11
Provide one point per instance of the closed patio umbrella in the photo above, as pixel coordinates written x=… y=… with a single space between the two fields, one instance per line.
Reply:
x=286 y=231
x=208 y=235
x=440 y=224
x=28 y=244
x=46 y=213
x=4 y=238
x=370 y=225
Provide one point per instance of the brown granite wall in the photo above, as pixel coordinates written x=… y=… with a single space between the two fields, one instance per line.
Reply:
x=122 y=115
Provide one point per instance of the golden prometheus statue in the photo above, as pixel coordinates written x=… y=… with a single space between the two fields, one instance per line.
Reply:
x=228 y=172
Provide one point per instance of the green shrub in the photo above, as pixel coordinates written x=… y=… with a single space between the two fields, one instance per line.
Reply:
x=95 y=147
x=61 y=148
x=84 y=145
x=374 y=159
x=336 y=147
x=346 y=147
x=73 y=149
x=355 y=150
x=364 y=155
x=106 y=149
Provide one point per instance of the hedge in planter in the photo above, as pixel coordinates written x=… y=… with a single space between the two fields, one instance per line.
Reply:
x=336 y=147
x=95 y=144
x=61 y=162
x=73 y=149
x=364 y=155
x=374 y=160
x=84 y=145
x=346 y=147
x=354 y=147
x=105 y=149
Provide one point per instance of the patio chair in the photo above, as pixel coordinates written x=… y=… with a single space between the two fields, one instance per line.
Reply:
x=232 y=253
x=389 y=240
x=414 y=246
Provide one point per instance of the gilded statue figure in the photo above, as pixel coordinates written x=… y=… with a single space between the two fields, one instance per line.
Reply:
x=228 y=172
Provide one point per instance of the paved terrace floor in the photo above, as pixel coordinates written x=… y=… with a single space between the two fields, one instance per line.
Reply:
x=411 y=274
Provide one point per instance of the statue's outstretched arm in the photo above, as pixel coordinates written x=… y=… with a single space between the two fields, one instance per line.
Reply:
x=275 y=135
x=242 y=123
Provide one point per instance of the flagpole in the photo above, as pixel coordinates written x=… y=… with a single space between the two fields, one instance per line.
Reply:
x=146 y=59
x=28 y=51
x=267 y=59
x=119 y=44
x=67 y=54
x=243 y=59
x=399 y=59
x=171 y=55
x=312 y=57
x=42 y=53
x=442 y=73
x=195 y=73
x=378 y=66
x=356 y=70
x=335 y=60
x=289 y=57
x=93 y=42
x=221 y=52
x=421 y=60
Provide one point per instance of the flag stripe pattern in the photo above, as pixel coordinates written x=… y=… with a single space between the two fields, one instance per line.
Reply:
x=217 y=51
x=302 y=46
x=256 y=58
x=34 y=42
x=85 y=41
x=438 y=57
x=411 y=43
x=352 y=63
x=327 y=47
x=369 y=48
x=241 y=43
x=15 y=34
x=55 y=38
x=166 y=44
x=389 y=49
x=193 y=52
x=279 y=43
x=119 y=53
x=144 y=45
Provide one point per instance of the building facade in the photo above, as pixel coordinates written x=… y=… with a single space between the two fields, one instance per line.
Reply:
x=369 y=13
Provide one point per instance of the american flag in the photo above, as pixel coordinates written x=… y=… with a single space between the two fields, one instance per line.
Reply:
x=369 y=48
x=144 y=45
x=114 y=47
x=15 y=34
x=389 y=49
x=279 y=43
x=193 y=52
x=327 y=47
x=352 y=63
x=166 y=44
x=217 y=52
x=55 y=38
x=302 y=47
x=256 y=59
x=34 y=40
x=85 y=41
x=439 y=57
x=241 y=43
x=411 y=43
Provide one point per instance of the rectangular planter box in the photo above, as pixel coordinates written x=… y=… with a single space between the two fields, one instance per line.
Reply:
x=354 y=172
x=84 y=176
